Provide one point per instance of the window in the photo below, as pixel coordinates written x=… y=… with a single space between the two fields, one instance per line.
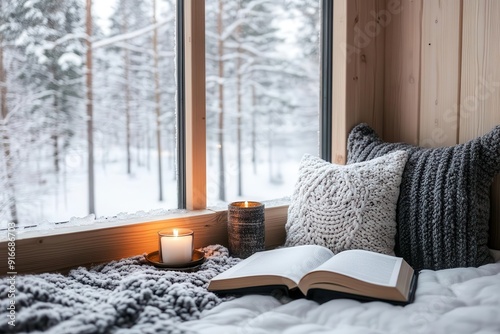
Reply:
x=55 y=164
x=262 y=86
x=262 y=100
x=29 y=129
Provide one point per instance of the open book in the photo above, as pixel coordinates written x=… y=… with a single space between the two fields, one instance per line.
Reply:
x=320 y=275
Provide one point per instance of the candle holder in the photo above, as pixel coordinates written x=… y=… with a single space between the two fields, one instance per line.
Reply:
x=246 y=229
x=196 y=261
x=175 y=246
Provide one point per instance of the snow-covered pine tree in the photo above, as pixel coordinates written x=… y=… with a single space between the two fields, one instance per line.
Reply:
x=8 y=197
x=134 y=82
x=147 y=114
x=258 y=88
x=44 y=40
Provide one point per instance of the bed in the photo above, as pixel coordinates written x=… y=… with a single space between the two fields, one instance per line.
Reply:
x=430 y=206
x=459 y=300
x=133 y=296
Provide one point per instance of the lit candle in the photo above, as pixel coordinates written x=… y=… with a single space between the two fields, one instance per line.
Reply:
x=245 y=228
x=176 y=246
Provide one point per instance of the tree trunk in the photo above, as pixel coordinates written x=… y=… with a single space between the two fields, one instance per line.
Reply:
x=55 y=142
x=222 y=184
x=239 y=111
x=157 y=104
x=55 y=137
x=270 y=146
x=11 y=194
x=254 y=134
x=90 y=121
x=55 y=106
x=148 y=147
x=127 y=90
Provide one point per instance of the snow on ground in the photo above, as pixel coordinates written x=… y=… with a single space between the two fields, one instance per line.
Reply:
x=121 y=195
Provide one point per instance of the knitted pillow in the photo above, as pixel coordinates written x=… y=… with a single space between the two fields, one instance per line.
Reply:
x=346 y=207
x=443 y=207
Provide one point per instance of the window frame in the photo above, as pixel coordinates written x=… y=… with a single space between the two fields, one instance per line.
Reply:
x=326 y=80
x=181 y=120
x=195 y=106
x=68 y=247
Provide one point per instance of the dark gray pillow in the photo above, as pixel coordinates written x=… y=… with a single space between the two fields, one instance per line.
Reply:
x=444 y=202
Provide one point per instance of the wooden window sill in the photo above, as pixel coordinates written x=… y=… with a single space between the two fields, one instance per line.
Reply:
x=68 y=247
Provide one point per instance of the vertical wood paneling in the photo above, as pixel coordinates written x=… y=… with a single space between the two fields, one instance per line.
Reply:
x=358 y=69
x=442 y=76
x=402 y=71
x=440 y=72
x=367 y=63
x=480 y=89
x=480 y=84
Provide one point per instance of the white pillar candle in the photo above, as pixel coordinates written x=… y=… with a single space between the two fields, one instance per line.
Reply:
x=176 y=246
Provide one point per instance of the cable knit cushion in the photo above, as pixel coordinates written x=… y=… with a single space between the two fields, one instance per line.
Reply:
x=443 y=208
x=346 y=207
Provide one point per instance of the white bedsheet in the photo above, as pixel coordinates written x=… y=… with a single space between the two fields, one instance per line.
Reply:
x=462 y=300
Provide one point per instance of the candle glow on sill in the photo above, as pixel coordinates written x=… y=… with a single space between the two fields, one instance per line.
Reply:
x=176 y=232
x=246 y=204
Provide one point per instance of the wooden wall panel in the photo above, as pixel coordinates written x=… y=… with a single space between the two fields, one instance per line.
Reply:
x=440 y=72
x=358 y=69
x=402 y=71
x=367 y=63
x=480 y=89
x=442 y=76
x=480 y=83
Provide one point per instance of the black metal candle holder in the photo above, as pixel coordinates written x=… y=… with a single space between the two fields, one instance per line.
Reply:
x=245 y=227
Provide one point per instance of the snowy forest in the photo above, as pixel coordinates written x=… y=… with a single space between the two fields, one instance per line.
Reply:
x=88 y=104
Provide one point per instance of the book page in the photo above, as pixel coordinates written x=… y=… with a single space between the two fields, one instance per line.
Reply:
x=368 y=266
x=291 y=262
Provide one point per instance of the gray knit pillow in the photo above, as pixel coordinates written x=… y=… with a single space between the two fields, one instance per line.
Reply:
x=346 y=207
x=443 y=207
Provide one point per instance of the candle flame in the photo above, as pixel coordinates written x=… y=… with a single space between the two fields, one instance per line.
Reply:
x=176 y=232
x=246 y=204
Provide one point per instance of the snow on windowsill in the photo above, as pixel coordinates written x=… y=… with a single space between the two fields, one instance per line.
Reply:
x=90 y=221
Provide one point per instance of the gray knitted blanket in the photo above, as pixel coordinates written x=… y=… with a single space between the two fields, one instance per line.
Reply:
x=125 y=296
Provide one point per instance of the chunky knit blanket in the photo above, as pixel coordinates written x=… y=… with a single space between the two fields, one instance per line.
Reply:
x=444 y=203
x=125 y=296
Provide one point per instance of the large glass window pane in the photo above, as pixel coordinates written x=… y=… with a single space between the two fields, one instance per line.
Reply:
x=263 y=84
x=45 y=145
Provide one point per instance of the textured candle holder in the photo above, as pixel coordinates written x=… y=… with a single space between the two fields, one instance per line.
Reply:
x=245 y=228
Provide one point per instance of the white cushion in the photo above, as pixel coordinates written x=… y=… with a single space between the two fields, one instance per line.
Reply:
x=346 y=206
